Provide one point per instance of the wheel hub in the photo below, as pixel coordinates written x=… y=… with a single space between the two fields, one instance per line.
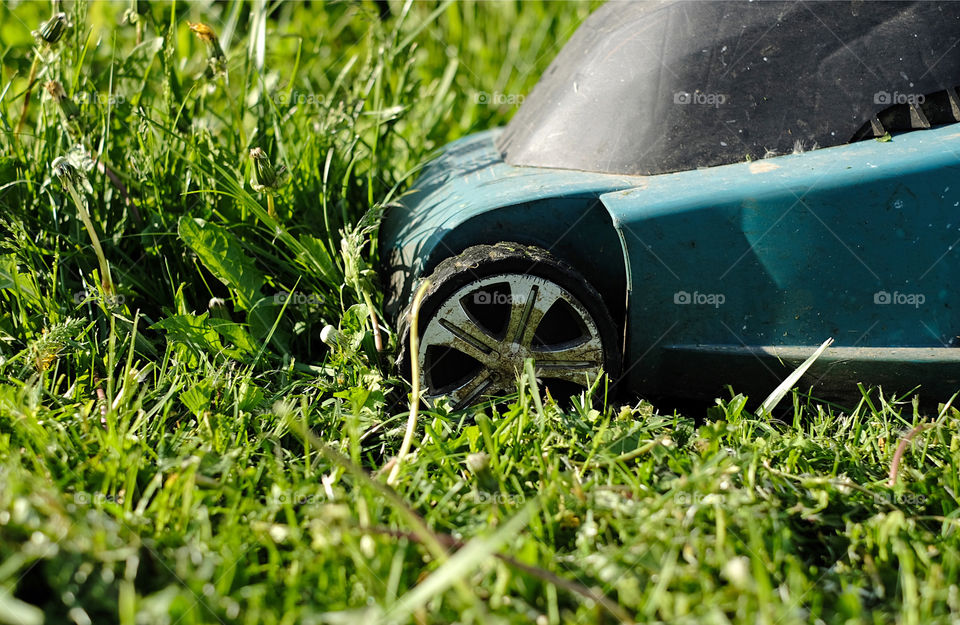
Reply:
x=510 y=360
x=480 y=337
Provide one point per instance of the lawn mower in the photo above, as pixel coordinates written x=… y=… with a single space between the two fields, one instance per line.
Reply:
x=695 y=195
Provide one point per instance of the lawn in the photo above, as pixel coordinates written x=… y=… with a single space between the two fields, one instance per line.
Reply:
x=190 y=192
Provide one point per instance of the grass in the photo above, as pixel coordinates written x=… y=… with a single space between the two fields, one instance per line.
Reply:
x=177 y=445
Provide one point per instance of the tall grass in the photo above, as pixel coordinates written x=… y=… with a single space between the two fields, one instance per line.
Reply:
x=178 y=445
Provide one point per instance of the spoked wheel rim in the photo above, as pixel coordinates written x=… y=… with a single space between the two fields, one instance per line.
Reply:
x=478 y=339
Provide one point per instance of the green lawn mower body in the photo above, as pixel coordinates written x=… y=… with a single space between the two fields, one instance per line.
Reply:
x=646 y=161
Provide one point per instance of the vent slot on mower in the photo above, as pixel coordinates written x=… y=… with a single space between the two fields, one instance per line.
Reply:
x=935 y=109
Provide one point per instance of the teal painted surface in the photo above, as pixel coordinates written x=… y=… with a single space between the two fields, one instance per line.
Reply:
x=468 y=195
x=857 y=242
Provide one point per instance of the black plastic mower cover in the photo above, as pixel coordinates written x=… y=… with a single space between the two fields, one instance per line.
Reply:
x=649 y=88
